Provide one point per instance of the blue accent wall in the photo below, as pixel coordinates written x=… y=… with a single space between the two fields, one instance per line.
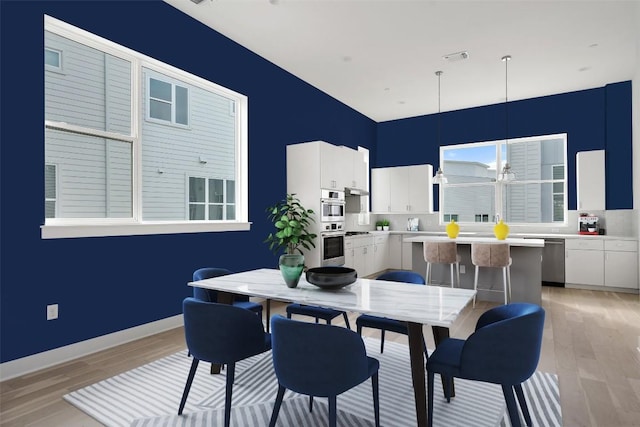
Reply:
x=593 y=119
x=104 y=285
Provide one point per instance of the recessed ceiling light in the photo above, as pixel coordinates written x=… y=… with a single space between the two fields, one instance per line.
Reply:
x=458 y=56
x=593 y=45
x=584 y=68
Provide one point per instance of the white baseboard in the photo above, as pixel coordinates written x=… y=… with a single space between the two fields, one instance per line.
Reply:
x=46 y=359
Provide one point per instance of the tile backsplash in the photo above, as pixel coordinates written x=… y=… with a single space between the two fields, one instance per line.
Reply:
x=622 y=222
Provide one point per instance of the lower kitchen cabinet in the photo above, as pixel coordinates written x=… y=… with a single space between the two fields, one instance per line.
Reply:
x=608 y=263
x=380 y=253
x=359 y=254
x=584 y=262
x=621 y=263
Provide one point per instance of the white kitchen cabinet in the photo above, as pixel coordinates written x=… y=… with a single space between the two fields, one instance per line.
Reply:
x=380 y=253
x=621 y=264
x=332 y=166
x=584 y=262
x=590 y=180
x=402 y=189
x=355 y=173
x=359 y=254
x=395 y=251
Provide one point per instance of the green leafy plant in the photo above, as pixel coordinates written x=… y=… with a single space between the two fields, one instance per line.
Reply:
x=379 y=223
x=385 y=222
x=292 y=222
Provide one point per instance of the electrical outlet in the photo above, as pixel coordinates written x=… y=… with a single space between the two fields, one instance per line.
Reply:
x=52 y=311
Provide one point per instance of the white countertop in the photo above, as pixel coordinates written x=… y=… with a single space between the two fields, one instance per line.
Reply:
x=512 y=241
x=513 y=235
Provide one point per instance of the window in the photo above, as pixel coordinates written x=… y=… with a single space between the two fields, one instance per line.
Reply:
x=168 y=102
x=182 y=168
x=450 y=217
x=50 y=186
x=537 y=196
x=52 y=59
x=211 y=199
x=482 y=218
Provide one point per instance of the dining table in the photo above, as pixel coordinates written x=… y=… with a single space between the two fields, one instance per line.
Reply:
x=436 y=306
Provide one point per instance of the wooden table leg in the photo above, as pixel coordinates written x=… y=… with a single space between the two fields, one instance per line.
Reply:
x=416 y=354
x=440 y=334
x=223 y=298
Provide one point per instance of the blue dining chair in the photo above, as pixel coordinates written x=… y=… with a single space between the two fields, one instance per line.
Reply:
x=322 y=361
x=504 y=349
x=224 y=334
x=210 y=295
x=326 y=314
x=383 y=323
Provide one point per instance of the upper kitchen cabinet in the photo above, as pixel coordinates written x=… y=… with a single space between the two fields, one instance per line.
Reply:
x=326 y=165
x=590 y=180
x=402 y=189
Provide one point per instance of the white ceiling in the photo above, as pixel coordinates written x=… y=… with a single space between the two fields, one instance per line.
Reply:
x=380 y=57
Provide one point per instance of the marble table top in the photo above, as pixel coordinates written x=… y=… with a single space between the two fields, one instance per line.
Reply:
x=432 y=305
x=512 y=241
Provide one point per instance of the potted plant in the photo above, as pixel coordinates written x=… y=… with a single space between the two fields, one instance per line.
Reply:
x=292 y=221
x=379 y=225
x=385 y=224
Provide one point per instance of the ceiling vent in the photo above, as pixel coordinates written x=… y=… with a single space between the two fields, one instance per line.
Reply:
x=458 y=56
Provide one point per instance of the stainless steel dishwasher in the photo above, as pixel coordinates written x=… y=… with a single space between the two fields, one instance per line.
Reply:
x=553 y=262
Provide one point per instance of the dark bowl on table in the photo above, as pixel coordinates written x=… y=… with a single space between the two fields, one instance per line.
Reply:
x=331 y=277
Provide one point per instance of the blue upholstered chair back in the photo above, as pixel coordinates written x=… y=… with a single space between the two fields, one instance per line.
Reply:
x=402 y=276
x=317 y=359
x=208 y=295
x=505 y=348
x=222 y=333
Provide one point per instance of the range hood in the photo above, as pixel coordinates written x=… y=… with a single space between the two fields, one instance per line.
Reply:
x=348 y=191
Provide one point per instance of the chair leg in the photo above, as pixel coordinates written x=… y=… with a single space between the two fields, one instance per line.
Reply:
x=268 y=319
x=187 y=386
x=310 y=403
x=276 y=406
x=458 y=272
x=475 y=286
x=231 y=371
x=523 y=404
x=430 y=378
x=447 y=387
x=381 y=341
x=512 y=407
x=376 y=398
x=346 y=320
x=333 y=411
x=359 y=328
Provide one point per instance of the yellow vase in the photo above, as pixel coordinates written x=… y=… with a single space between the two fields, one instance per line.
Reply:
x=452 y=229
x=501 y=230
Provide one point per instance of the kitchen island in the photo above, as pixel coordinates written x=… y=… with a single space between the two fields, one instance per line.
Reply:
x=526 y=271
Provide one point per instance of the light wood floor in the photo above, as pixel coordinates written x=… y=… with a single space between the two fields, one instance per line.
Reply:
x=591 y=341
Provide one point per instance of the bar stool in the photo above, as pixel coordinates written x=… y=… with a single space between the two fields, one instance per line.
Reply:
x=441 y=253
x=493 y=255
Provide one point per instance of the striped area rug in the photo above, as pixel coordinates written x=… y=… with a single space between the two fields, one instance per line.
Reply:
x=149 y=396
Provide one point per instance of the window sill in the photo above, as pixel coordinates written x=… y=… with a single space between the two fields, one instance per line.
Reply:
x=106 y=230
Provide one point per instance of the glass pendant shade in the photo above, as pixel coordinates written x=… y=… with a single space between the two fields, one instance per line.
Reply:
x=506 y=174
x=439 y=177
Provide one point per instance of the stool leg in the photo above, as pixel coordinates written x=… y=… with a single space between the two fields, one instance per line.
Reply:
x=458 y=272
x=475 y=286
x=509 y=280
x=428 y=273
x=451 y=268
x=504 y=283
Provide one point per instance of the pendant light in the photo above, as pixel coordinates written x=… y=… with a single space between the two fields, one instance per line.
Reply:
x=439 y=177
x=506 y=174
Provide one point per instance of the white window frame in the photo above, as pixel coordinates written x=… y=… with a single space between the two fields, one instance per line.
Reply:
x=207 y=202
x=498 y=185
x=53 y=68
x=173 y=104
x=56 y=180
x=554 y=194
x=84 y=227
